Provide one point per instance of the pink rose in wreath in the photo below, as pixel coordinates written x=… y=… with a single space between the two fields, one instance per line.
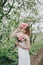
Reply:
x=24 y=25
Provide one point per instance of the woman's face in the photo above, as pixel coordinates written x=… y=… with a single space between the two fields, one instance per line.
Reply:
x=22 y=30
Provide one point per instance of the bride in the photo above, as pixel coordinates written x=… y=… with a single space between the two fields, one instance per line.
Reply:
x=22 y=33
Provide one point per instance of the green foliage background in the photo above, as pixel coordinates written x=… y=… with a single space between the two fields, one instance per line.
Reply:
x=8 y=52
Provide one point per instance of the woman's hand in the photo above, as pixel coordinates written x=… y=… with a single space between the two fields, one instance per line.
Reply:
x=17 y=43
x=18 y=28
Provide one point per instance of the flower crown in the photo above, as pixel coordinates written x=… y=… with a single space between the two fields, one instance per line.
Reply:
x=24 y=25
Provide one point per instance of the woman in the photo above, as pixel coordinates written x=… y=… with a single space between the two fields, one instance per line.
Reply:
x=23 y=43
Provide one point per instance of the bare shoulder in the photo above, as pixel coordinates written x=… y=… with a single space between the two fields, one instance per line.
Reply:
x=27 y=37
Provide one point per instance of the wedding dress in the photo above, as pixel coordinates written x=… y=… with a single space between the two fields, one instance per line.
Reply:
x=24 y=57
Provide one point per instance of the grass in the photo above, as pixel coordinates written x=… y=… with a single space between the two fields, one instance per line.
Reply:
x=35 y=47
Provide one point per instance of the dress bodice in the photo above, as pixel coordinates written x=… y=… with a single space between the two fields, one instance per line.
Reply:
x=22 y=43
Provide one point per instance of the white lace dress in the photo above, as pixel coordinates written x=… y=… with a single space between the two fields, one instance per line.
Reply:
x=24 y=57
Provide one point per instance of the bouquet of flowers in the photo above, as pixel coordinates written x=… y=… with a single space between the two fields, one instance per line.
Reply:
x=20 y=37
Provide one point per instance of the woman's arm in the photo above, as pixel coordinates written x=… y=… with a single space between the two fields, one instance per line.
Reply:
x=14 y=33
x=28 y=42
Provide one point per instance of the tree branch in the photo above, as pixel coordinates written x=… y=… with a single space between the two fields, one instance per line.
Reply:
x=3 y=3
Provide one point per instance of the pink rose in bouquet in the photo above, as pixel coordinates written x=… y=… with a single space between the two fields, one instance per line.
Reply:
x=20 y=36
